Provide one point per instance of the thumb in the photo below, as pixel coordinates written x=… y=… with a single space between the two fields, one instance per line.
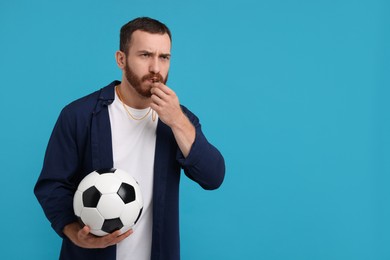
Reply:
x=85 y=231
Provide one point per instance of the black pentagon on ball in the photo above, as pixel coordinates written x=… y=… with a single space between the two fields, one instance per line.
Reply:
x=106 y=170
x=111 y=225
x=126 y=192
x=91 y=197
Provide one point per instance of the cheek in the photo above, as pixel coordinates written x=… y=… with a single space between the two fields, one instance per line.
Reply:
x=165 y=70
x=138 y=68
x=138 y=73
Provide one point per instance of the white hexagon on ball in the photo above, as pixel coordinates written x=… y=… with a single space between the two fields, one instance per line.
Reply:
x=88 y=181
x=92 y=217
x=130 y=213
x=108 y=183
x=110 y=206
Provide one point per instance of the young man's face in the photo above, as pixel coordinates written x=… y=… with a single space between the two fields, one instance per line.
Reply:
x=147 y=61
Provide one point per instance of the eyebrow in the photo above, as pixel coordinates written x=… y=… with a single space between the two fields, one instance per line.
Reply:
x=165 y=55
x=149 y=52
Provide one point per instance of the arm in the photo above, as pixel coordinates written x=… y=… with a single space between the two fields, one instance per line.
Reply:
x=166 y=104
x=184 y=133
x=58 y=181
x=204 y=164
x=201 y=161
x=55 y=188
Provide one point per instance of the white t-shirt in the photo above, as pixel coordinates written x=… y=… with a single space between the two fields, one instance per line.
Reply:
x=133 y=145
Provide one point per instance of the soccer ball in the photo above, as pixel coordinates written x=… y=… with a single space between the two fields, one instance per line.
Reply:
x=108 y=200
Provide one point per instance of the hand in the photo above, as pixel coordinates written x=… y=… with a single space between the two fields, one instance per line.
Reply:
x=83 y=238
x=166 y=104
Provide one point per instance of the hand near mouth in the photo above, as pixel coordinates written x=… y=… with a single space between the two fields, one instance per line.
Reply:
x=166 y=103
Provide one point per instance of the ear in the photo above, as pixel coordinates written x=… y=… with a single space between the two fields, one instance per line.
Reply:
x=120 y=59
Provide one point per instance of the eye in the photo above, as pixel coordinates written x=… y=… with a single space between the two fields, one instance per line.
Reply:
x=165 y=57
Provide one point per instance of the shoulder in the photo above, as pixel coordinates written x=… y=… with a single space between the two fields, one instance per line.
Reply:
x=88 y=104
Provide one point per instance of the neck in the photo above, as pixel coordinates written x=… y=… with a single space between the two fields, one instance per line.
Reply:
x=131 y=97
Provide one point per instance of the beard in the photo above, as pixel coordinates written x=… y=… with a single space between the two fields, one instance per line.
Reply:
x=142 y=84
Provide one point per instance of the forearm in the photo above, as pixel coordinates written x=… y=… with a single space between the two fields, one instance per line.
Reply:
x=184 y=133
x=204 y=164
x=56 y=202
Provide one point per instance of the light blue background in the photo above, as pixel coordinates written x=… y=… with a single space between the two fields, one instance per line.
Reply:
x=294 y=93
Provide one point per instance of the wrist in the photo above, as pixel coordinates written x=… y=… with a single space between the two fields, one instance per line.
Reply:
x=71 y=230
x=181 y=122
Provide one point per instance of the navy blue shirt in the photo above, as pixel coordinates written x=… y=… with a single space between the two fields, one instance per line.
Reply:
x=81 y=143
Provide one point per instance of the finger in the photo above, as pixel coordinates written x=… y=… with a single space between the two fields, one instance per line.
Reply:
x=124 y=235
x=110 y=237
x=155 y=107
x=87 y=239
x=128 y=233
x=117 y=237
x=158 y=101
x=158 y=92
x=83 y=233
x=164 y=88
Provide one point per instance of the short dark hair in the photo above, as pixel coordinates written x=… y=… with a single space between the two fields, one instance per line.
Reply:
x=145 y=24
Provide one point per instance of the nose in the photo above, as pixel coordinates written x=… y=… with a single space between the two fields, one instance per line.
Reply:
x=154 y=66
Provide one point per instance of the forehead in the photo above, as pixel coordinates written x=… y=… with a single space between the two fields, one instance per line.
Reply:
x=152 y=42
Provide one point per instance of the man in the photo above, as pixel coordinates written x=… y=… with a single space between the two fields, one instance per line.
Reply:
x=136 y=124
